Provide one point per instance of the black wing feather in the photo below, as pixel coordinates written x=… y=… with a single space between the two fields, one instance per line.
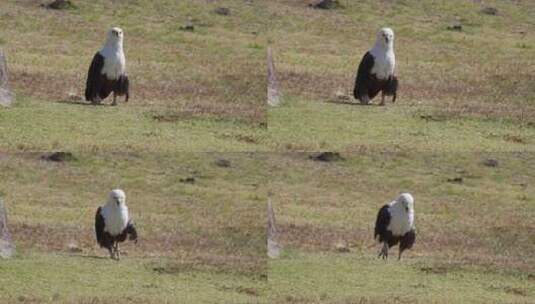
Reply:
x=407 y=240
x=123 y=86
x=94 y=78
x=131 y=231
x=363 y=76
x=382 y=222
x=102 y=238
x=391 y=88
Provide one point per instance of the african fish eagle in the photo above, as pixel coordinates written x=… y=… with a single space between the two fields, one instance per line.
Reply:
x=113 y=225
x=395 y=224
x=107 y=72
x=376 y=70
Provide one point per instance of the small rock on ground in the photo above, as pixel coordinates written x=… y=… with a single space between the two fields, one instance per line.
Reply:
x=490 y=162
x=325 y=4
x=327 y=157
x=489 y=10
x=59 y=157
x=74 y=248
x=188 y=180
x=221 y=162
x=342 y=247
x=456 y=180
x=224 y=11
x=60 y=5
x=455 y=27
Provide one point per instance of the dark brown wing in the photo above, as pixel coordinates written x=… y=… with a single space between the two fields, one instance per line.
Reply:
x=102 y=237
x=363 y=76
x=123 y=86
x=381 y=224
x=94 y=78
x=131 y=231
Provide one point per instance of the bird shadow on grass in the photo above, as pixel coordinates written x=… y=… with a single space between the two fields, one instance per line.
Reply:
x=93 y=257
x=81 y=103
x=347 y=102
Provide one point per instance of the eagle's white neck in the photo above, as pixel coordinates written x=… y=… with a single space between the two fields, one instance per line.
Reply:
x=401 y=221
x=115 y=217
x=114 y=59
x=113 y=44
x=384 y=59
x=382 y=49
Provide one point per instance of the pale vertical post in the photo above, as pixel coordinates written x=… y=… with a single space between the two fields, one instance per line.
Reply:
x=6 y=96
x=273 y=248
x=273 y=90
x=7 y=248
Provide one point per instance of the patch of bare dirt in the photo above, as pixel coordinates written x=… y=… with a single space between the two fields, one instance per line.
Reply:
x=236 y=98
x=317 y=238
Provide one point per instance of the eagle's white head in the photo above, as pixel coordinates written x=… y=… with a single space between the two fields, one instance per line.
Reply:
x=114 y=39
x=117 y=198
x=407 y=202
x=385 y=38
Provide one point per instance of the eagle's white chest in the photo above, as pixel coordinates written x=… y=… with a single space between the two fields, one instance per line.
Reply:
x=115 y=219
x=384 y=64
x=400 y=222
x=114 y=63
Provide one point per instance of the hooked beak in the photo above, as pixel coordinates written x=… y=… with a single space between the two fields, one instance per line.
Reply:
x=407 y=209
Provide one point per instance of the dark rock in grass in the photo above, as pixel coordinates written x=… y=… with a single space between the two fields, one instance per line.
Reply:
x=325 y=4
x=224 y=11
x=491 y=162
x=60 y=5
x=59 y=157
x=187 y=180
x=327 y=157
x=456 y=180
x=455 y=27
x=223 y=163
x=7 y=248
x=489 y=10
x=188 y=27
x=5 y=94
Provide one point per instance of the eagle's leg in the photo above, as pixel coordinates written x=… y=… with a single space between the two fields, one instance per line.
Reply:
x=382 y=99
x=365 y=100
x=126 y=97
x=114 y=103
x=112 y=254
x=400 y=251
x=384 y=251
x=96 y=100
x=118 y=253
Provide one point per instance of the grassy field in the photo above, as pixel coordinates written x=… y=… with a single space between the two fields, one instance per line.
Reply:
x=459 y=90
x=199 y=97
x=475 y=229
x=201 y=90
x=201 y=241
